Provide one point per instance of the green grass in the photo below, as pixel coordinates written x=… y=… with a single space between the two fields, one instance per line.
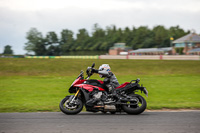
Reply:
x=39 y=84
x=70 y=67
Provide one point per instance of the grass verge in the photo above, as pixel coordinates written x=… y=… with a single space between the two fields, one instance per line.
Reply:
x=30 y=85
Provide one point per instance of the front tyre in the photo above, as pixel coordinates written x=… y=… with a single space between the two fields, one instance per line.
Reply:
x=136 y=109
x=71 y=109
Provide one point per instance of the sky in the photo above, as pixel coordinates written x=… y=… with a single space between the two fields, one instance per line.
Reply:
x=17 y=17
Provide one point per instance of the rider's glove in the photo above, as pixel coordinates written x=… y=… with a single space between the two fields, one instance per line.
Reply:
x=94 y=70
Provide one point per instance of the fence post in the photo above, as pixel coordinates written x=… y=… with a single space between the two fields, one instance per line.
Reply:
x=161 y=57
x=127 y=57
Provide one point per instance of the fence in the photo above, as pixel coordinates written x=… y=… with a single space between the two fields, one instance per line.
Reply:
x=152 y=57
x=133 y=57
x=64 y=57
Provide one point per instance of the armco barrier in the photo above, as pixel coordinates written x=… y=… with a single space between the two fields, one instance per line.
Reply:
x=152 y=57
x=134 y=57
x=38 y=57
x=181 y=57
x=63 y=57
x=144 y=57
x=113 y=57
x=80 y=57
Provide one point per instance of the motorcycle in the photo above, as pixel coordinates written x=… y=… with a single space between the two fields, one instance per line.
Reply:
x=94 y=95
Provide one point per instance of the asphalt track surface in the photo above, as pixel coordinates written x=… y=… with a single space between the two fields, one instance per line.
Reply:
x=86 y=122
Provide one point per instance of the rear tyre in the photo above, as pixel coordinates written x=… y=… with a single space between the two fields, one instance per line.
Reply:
x=135 y=109
x=112 y=112
x=68 y=109
x=104 y=112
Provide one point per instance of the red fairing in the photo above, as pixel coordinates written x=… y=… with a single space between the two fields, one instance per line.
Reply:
x=123 y=85
x=89 y=87
x=100 y=81
x=78 y=81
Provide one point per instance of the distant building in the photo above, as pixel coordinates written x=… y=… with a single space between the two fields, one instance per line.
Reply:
x=119 y=49
x=195 y=51
x=187 y=44
x=152 y=51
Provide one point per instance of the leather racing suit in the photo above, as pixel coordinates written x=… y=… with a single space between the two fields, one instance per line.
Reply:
x=110 y=80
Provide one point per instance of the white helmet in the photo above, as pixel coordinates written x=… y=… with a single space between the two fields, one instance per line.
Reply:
x=104 y=67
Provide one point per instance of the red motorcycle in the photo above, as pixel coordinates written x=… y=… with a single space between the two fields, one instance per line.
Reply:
x=94 y=96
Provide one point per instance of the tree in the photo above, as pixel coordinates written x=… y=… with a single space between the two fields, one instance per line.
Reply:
x=53 y=50
x=161 y=35
x=66 y=41
x=8 y=50
x=127 y=36
x=98 y=36
x=176 y=32
x=82 y=40
x=140 y=35
x=36 y=43
x=110 y=37
x=52 y=44
x=51 y=38
x=100 y=39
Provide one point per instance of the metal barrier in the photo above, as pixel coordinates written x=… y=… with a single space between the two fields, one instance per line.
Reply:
x=152 y=57
x=64 y=57
x=134 y=57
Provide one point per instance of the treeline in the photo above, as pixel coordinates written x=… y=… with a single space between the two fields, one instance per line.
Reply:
x=100 y=39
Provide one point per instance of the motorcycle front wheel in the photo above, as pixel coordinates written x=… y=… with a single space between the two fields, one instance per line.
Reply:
x=137 y=108
x=70 y=109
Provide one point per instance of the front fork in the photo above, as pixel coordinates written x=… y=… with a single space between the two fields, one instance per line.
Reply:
x=72 y=98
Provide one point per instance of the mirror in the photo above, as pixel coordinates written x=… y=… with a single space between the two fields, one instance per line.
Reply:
x=93 y=65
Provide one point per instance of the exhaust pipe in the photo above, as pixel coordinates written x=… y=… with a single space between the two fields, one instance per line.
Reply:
x=107 y=107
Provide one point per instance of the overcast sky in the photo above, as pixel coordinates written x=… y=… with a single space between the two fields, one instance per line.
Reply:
x=18 y=16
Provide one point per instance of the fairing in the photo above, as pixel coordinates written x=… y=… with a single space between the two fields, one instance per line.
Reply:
x=123 y=85
x=88 y=87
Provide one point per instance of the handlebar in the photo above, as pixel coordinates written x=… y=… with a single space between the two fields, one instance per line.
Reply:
x=136 y=81
x=89 y=71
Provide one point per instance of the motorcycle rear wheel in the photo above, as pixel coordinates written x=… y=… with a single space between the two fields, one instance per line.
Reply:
x=70 y=110
x=135 y=109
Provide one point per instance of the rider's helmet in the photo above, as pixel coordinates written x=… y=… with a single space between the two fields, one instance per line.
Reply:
x=104 y=67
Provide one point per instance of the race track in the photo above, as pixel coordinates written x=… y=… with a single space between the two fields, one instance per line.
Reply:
x=57 y=122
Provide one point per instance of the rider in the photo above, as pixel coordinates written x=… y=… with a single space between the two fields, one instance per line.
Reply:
x=110 y=80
